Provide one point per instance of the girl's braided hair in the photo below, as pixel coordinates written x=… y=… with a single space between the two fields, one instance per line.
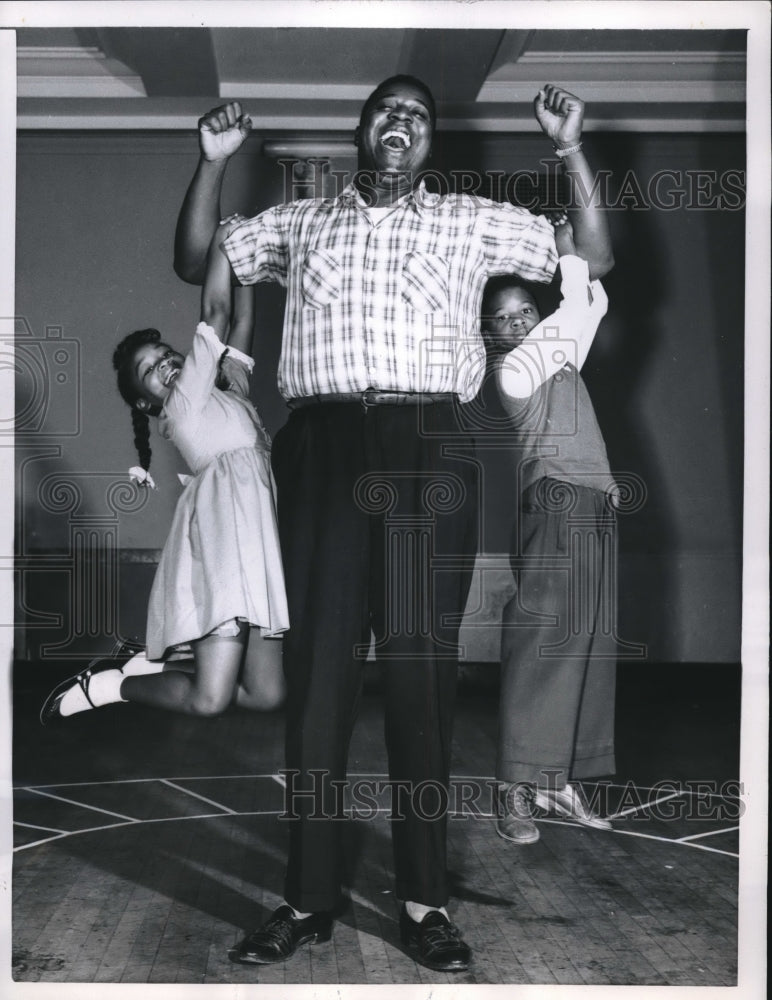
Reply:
x=122 y=358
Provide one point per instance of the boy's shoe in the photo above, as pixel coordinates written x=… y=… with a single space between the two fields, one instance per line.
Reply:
x=570 y=803
x=515 y=822
x=435 y=942
x=280 y=936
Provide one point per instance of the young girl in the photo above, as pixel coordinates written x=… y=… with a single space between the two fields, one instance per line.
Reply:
x=219 y=585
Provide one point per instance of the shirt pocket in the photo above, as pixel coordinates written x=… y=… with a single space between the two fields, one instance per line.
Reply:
x=425 y=282
x=321 y=278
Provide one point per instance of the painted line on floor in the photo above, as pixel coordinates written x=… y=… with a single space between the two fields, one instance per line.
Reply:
x=43 y=840
x=195 y=795
x=34 y=826
x=73 y=833
x=140 y=781
x=680 y=842
x=624 y=813
x=709 y=833
x=82 y=805
x=686 y=841
x=670 y=840
x=144 y=822
x=669 y=786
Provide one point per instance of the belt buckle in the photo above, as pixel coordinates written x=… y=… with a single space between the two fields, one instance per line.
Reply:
x=367 y=402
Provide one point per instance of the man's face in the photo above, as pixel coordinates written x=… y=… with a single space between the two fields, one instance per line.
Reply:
x=395 y=135
x=511 y=313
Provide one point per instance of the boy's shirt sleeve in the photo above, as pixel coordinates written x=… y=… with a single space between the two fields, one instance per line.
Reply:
x=595 y=314
x=561 y=338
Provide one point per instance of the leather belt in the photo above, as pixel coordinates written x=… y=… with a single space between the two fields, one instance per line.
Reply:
x=373 y=397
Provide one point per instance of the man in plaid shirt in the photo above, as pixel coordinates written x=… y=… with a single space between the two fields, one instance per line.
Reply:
x=376 y=481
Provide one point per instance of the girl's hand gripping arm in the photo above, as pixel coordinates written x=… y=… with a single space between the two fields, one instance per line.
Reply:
x=228 y=310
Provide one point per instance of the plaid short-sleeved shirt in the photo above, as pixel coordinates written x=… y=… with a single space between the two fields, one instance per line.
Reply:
x=392 y=303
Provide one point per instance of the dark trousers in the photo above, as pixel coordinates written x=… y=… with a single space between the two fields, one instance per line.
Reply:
x=378 y=529
x=558 y=657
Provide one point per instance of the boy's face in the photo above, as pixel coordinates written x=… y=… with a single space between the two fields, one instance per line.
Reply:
x=510 y=314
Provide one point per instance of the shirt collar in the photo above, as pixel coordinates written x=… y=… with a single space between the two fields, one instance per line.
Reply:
x=417 y=198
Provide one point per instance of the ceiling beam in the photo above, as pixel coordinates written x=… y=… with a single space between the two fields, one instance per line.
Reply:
x=172 y=62
x=512 y=46
x=149 y=114
x=454 y=64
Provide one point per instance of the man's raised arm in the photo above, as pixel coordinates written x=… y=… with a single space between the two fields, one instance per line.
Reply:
x=221 y=132
x=560 y=116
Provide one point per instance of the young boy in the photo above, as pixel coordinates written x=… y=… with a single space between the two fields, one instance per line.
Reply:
x=556 y=720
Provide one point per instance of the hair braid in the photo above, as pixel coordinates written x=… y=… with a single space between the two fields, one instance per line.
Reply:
x=141 y=425
x=122 y=363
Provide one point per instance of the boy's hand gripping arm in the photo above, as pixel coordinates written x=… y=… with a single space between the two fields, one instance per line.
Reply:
x=221 y=132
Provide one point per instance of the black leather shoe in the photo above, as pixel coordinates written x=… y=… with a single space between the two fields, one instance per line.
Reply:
x=280 y=936
x=435 y=942
x=50 y=711
x=124 y=649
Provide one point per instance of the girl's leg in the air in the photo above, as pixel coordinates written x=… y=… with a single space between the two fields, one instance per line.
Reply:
x=207 y=691
x=261 y=685
x=244 y=669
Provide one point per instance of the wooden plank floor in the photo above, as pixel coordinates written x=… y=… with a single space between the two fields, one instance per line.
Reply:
x=147 y=843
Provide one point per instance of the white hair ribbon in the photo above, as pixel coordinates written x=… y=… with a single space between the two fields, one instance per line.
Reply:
x=142 y=477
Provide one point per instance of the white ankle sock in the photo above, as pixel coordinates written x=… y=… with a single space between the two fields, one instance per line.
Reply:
x=103 y=689
x=417 y=911
x=139 y=664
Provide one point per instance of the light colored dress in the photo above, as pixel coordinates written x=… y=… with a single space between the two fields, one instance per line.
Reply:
x=221 y=562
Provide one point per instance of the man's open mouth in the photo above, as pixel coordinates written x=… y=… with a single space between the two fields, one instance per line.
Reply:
x=396 y=139
x=171 y=375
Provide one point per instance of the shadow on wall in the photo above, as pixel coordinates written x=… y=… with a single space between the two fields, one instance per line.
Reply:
x=621 y=364
x=73 y=596
x=615 y=373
